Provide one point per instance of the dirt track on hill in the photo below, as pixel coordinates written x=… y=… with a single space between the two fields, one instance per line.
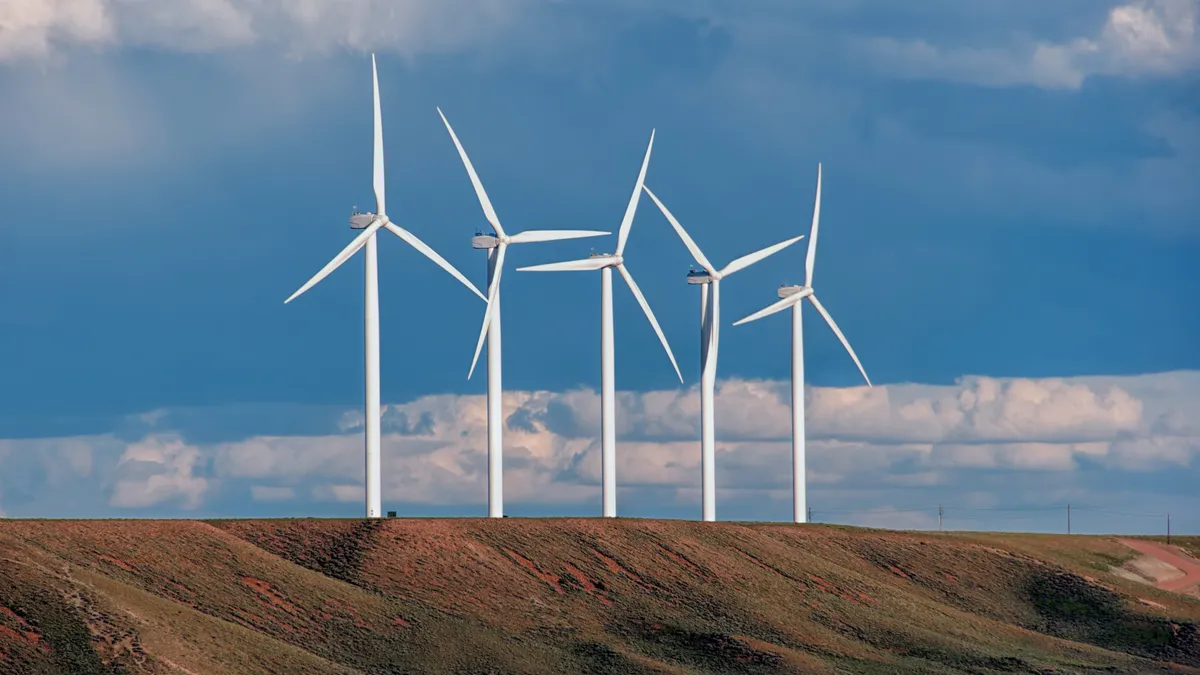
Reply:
x=1172 y=556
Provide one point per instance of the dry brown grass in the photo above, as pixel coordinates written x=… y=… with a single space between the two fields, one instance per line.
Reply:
x=573 y=596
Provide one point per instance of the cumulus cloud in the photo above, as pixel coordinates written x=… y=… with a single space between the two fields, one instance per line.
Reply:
x=1145 y=37
x=28 y=28
x=156 y=470
x=39 y=28
x=907 y=437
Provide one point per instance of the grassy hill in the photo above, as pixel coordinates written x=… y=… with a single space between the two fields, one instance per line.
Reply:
x=573 y=596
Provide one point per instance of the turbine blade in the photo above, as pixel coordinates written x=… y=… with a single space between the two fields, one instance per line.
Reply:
x=585 y=265
x=432 y=255
x=637 y=293
x=697 y=254
x=487 y=317
x=627 y=221
x=777 y=306
x=487 y=314
x=530 y=236
x=380 y=198
x=751 y=258
x=351 y=248
x=812 y=240
x=837 y=331
x=488 y=211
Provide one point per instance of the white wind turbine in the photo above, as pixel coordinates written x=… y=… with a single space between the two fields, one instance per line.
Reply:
x=608 y=397
x=496 y=243
x=370 y=223
x=710 y=330
x=790 y=296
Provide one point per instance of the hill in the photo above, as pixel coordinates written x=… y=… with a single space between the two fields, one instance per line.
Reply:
x=577 y=596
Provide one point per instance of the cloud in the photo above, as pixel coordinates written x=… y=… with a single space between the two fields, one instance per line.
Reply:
x=905 y=438
x=36 y=29
x=1146 y=37
x=267 y=493
x=29 y=28
x=977 y=409
x=156 y=470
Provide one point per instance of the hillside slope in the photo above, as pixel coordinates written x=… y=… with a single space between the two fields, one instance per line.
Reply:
x=573 y=596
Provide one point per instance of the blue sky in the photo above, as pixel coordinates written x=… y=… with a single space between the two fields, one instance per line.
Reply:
x=1009 y=193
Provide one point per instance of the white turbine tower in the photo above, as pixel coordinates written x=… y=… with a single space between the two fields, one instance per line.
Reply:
x=608 y=397
x=790 y=296
x=496 y=243
x=370 y=223
x=710 y=331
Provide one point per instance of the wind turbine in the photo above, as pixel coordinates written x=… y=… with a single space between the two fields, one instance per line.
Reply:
x=790 y=296
x=710 y=331
x=496 y=243
x=608 y=397
x=370 y=223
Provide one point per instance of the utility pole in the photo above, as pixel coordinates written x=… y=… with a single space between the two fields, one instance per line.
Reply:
x=939 y=517
x=1068 y=519
x=1168 y=528
x=810 y=514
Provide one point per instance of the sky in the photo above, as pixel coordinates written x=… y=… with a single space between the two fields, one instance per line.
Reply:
x=1009 y=229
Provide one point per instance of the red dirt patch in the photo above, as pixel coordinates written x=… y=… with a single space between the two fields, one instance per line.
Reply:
x=114 y=561
x=620 y=570
x=588 y=586
x=822 y=584
x=766 y=566
x=350 y=614
x=20 y=630
x=30 y=637
x=1173 y=556
x=682 y=560
x=899 y=572
x=552 y=580
x=272 y=595
x=399 y=621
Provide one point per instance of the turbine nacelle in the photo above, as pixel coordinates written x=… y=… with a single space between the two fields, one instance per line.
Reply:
x=608 y=259
x=789 y=291
x=361 y=221
x=698 y=277
x=485 y=241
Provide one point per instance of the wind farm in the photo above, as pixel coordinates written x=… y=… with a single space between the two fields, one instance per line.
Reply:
x=496 y=243
x=209 y=467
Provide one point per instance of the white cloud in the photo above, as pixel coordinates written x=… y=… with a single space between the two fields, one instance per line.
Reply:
x=338 y=493
x=37 y=28
x=900 y=437
x=1145 y=37
x=158 y=470
x=28 y=28
x=267 y=493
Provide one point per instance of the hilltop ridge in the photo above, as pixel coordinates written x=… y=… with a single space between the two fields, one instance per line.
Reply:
x=575 y=596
